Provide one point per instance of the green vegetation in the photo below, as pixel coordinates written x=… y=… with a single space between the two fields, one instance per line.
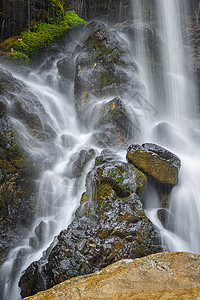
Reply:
x=21 y=49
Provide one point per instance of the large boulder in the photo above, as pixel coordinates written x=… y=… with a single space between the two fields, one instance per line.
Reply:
x=109 y=225
x=156 y=162
x=169 y=275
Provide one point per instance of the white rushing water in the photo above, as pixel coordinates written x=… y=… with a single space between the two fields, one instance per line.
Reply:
x=176 y=111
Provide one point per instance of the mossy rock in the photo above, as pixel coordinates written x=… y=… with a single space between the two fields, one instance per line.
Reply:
x=24 y=48
x=156 y=162
x=105 y=68
x=124 y=179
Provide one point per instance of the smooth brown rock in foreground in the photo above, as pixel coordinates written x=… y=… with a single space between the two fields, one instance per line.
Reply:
x=168 y=275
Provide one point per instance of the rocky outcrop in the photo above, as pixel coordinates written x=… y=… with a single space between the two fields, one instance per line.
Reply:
x=156 y=162
x=169 y=275
x=109 y=225
x=105 y=70
x=17 y=167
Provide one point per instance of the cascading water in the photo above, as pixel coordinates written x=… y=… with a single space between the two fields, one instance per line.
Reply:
x=59 y=191
x=176 y=111
x=184 y=207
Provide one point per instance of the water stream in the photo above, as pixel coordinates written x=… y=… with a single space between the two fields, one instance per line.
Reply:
x=59 y=196
x=176 y=111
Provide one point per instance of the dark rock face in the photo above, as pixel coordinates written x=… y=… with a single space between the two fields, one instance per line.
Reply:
x=109 y=225
x=79 y=164
x=156 y=162
x=17 y=169
x=113 y=125
x=108 y=11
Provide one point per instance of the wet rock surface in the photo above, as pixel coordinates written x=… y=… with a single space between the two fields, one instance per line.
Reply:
x=109 y=225
x=105 y=70
x=169 y=275
x=156 y=162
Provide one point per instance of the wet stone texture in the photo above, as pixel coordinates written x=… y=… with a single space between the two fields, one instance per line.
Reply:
x=109 y=225
x=106 y=78
x=162 y=168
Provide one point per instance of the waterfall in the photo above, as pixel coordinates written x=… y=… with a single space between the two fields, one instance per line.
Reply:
x=60 y=192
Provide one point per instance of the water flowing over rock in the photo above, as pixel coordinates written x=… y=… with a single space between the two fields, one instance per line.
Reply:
x=169 y=275
x=70 y=123
x=18 y=170
x=105 y=69
x=109 y=225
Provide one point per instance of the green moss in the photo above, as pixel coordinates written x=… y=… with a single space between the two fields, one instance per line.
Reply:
x=17 y=57
x=55 y=11
x=22 y=48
